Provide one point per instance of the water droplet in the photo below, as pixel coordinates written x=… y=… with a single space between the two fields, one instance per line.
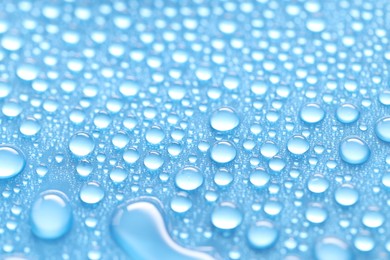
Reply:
x=346 y=195
x=298 y=145
x=223 y=177
x=153 y=161
x=51 y=215
x=373 y=218
x=259 y=177
x=181 y=204
x=316 y=214
x=332 y=248
x=91 y=193
x=312 y=113
x=118 y=174
x=318 y=184
x=189 y=178
x=226 y=216
x=354 y=150
x=29 y=126
x=262 y=235
x=223 y=152
x=347 y=113
x=224 y=119
x=382 y=129
x=81 y=144
x=154 y=135
x=364 y=243
x=315 y=25
x=12 y=161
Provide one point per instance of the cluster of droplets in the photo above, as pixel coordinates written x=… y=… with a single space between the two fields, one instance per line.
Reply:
x=257 y=128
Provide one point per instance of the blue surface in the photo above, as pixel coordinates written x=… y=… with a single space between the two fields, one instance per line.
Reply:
x=194 y=129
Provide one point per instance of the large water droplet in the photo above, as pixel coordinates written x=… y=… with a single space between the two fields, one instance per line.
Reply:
x=332 y=248
x=382 y=129
x=51 y=215
x=346 y=195
x=224 y=119
x=298 y=145
x=91 y=193
x=262 y=235
x=189 y=178
x=354 y=150
x=347 y=113
x=226 y=216
x=312 y=113
x=81 y=144
x=12 y=161
x=223 y=152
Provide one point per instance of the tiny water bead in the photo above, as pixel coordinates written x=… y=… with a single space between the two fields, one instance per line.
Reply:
x=91 y=193
x=262 y=235
x=298 y=145
x=354 y=150
x=223 y=152
x=12 y=161
x=332 y=248
x=347 y=113
x=140 y=230
x=346 y=195
x=312 y=113
x=226 y=216
x=224 y=119
x=51 y=215
x=81 y=144
x=189 y=178
x=382 y=129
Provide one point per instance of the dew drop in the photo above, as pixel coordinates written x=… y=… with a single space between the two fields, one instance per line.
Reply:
x=189 y=178
x=382 y=129
x=226 y=216
x=224 y=119
x=262 y=235
x=223 y=152
x=81 y=144
x=12 y=161
x=91 y=193
x=354 y=150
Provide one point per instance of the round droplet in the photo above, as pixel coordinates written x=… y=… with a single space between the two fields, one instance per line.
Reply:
x=318 y=184
x=189 y=178
x=276 y=164
x=354 y=150
x=224 y=119
x=373 y=219
x=29 y=127
x=223 y=152
x=312 y=113
x=27 y=72
x=298 y=145
x=131 y=156
x=154 y=135
x=5 y=89
x=316 y=214
x=153 y=161
x=91 y=193
x=315 y=25
x=223 y=177
x=181 y=204
x=262 y=235
x=382 y=129
x=347 y=113
x=226 y=216
x=364 y=243
x=51 y=215
x=384 y=97
x=259 y=177
x=129 y=88
x=269 y=149
x=118 y=174
x=81 y=144
x=12 y=161
x=332 y=248
x=346 y=195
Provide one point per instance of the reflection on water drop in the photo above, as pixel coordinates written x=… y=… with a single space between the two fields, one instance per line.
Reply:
x=346 y=195
x=224 y=119
x=298 y=145
x=312 y=113
x=91 y=193
x=223 y=152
